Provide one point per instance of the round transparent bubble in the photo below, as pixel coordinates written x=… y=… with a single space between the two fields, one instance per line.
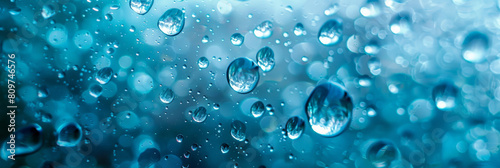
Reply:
x=329 y=109
x=103 y=76
x=381 y=153
x=57 y=35
x=167 y=96
x=238 y=130
x=420 y=110
x=264 y=30
x=243 y=75
x=331 y=32
x=224 y=7
x=69 y=134
x=140 y=7
x=28 y=139
x=224 y=148
x=83 y=39
x=257 y=109
x=294 y=127
x=203 y=62
x=237 y=39
x=265 y=59
x=445 y=96
x=200 y=114
x=475 y=47
x=172 y=22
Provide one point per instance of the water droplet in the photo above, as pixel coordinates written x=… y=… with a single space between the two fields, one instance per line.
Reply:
x=445 y=96
x=299 y=30
x=332 y=9
x=263 y=30
x=28 y=140
x=238 y=130
x=400 y=23
x=237 y=39
x=224 y=148
x=69 y=134
x=205 y=39
x=475 y=47
x=420 y=110
x=141 y=7
x=374 y=66
x=329 y=109
x=104 y=75
x=243 y=75
x=370 y=9
x=372 y=48
x=381 y=153
x=108 y=17
x=330 y=33
x=257 y=109
x=172 y=22
x=200 y=114
x=95 y=90
x=265 y=59
x=48 y=11
x=179 y=138
x=203 y=62
x=167 y=96
x=294 y=127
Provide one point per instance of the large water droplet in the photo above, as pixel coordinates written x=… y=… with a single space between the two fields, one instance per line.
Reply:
x=381 y=153
x=330 y=33
x=141 y=7
x=237 y=39
x=294 y=127
x=264 y=30
x=200 y=114
x=475 y=47
x=172 y=22
x=167 y=96
x=104 y=75
x=69 y=134
x=265 y=59
x=257 y=109
x=27 y=140
x=401 y=23
x=329 y=109
x=203 y=62
x=445 y=96
x=243 y=75
x=238 y=130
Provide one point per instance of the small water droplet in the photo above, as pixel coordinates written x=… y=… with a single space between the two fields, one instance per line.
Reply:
x=172 y=22
x=263 y=30
x=330 y=33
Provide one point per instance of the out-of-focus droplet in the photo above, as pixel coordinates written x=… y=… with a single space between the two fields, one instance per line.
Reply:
x=69 y=134
x=381 y=153
x=332 y=9
x=141 y=7
x=329 y=109
x=354 y=44
x=401 y=23
x=27 y=140
x=224 y=148
x=265 y=59
x=224 y=7
x=445 y=96
x=48 y=11
x=15 y=11
x=203 y=62
x=374 y=66
x=420 y=110
x=167 y=96
x=200 y=114
x=257 y=109
x=330 y=33
x=103 y=76
x=299 y=30
x=238 y=130
x=95 y=90
x=237 y=39
x=372 y=48
x=370 y=9
x=172 y=22
x=475 y=47
x=294 y=127
x=243 y=75
x=263 y=30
